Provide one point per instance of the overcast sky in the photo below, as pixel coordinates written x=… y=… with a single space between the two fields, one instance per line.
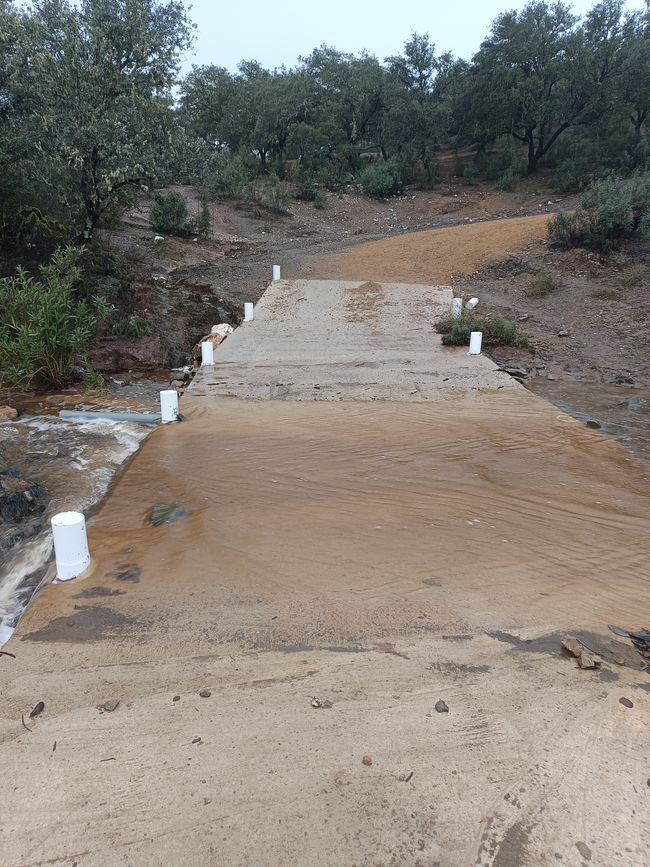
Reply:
x=277 y=32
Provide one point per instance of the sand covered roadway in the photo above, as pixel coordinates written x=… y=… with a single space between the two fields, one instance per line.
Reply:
x=379 y=554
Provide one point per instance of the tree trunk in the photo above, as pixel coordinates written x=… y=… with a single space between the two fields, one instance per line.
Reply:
x=533 y=155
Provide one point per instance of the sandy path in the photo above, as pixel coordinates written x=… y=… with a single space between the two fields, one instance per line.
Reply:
x=435 y=256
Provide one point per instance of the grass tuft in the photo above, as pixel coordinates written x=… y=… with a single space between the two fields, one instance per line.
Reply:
x=542 y=285
x=496 y=332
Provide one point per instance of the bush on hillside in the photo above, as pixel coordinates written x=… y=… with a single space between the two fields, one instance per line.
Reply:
x=269 y=192
x=43 y=324
x=169 y=214
x=229 y=175
x=382 y=180
x=611 y=210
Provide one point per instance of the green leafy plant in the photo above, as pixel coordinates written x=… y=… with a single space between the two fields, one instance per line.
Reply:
x=43 y=325
x=93 y=380
x=382 y=180
x=132 y=326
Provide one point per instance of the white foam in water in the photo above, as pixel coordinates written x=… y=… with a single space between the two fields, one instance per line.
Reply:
x=76 y=463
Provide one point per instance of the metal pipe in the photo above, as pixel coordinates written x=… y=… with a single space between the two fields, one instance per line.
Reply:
x=109 y=415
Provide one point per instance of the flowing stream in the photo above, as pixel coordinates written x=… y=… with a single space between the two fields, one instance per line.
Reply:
x=74 y=463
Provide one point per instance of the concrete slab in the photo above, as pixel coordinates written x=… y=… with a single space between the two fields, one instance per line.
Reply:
x=337 y=340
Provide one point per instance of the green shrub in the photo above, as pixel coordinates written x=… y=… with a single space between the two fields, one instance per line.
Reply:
x=93 y=380
x=611 y=210
x=169 y=214
x=496 y=332
x=542 y=285
x=334 y=175
x=271 y=193
x=132 y=326
x=203 y=223
x=470 y=173
x=382 y=180
x=507 y=180
x=320 y=199
x=229 y=175
x=43 y=325
x=568 y=229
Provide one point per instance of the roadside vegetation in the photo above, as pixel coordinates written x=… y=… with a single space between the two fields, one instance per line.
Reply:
x=542 y=285
x=497 y=331
x=612 y=210
x=95 y=115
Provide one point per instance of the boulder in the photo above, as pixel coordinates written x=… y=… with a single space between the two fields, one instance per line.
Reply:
x=7 y=413
x=112 y=353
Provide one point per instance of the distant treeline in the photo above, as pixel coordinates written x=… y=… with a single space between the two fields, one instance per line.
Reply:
x=93 y=110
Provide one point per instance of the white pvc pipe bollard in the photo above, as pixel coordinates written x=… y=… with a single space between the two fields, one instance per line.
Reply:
x=276 y=273
x=168 y=406
x=475 y=343
x=70 y=544
x=456 y=307
x=207 y=353
x=248 y=312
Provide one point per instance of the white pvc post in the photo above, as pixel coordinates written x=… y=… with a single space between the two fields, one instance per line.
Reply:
x=248 y=312
x=207 y=353
x=70 y=544
x=168 y=406
x=456 y=307
x=475 y=343
x=276 y=273
x=471 y=304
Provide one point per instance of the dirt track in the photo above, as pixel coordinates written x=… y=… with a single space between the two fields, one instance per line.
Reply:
x=436 y=256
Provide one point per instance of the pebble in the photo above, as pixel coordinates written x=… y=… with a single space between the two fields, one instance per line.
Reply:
x=205 y=693
x=626 y=702
x=111 y=705
x=442 y=706
x=40 y=707
x=550 y=377
x=366 y=760
x=594 y=425
x=176 y=698
x=563 y=332
x=7 y=413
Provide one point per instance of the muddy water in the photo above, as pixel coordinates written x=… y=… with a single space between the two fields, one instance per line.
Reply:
x=621 y=412
x=337 y=525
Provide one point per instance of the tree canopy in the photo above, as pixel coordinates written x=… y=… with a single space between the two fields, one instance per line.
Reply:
x=93 y=107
